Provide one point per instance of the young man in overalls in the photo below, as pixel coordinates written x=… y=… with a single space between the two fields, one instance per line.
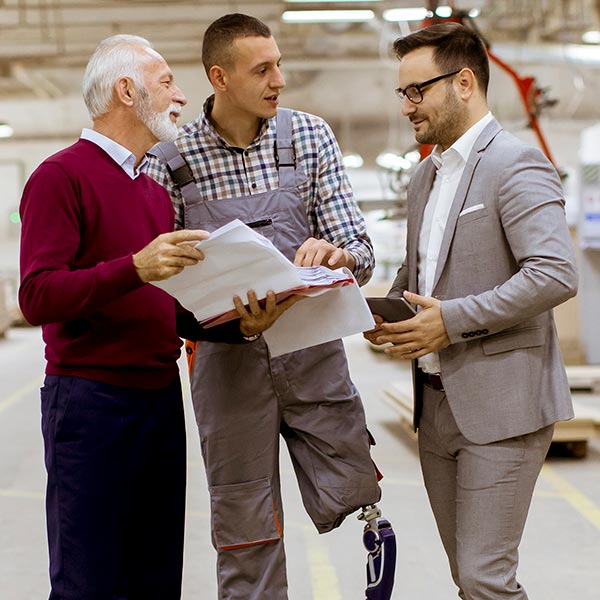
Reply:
x=281 y=172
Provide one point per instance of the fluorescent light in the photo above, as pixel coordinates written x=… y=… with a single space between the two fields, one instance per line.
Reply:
x=416 y=14
x=474 y=13
x=393 y=161
x=405 y=14
x=6 y=130
x=325 y=1
x=414 y=156
x=591 y=37
x=353 y=160
x=443 y=11
x=327 y=16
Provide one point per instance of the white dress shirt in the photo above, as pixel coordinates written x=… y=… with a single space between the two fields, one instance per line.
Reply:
x=121 y=155
x=450 y=165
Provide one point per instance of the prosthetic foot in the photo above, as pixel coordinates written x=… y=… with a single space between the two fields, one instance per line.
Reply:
x=380 y=541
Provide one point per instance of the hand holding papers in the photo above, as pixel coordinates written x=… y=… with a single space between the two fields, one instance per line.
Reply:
x=238 y=259
x=313 y=281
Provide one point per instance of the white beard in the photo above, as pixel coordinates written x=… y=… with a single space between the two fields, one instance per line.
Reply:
x=159 y=123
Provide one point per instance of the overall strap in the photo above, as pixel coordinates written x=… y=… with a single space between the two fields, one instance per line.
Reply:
x=284 y=149
x=179 y=170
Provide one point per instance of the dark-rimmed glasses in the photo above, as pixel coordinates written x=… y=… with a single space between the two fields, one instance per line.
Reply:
x=414 y=91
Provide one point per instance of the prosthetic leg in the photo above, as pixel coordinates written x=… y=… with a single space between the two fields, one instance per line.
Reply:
x=380 y=541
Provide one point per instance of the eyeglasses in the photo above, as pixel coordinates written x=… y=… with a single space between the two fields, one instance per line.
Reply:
x=414 y=91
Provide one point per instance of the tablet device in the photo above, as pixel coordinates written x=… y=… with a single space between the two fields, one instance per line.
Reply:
x=391 y=309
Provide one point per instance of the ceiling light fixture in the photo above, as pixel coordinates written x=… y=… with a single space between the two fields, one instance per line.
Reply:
x=591 y=37
x=405 y=14
x=443 y=12
x=414 y=156
x=6 y=130
x=353 y=160
x=327 y=1
x=417 y=14
x=393 y=161
x=327 y=16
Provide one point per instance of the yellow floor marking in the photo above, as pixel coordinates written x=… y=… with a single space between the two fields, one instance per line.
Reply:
x=197 y=514
x=322 y=573
x=22 y=494
x=19 y=394
x=581 y=503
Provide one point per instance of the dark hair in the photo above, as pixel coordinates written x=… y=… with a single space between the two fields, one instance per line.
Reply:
x=455 y=47
x=217 y=45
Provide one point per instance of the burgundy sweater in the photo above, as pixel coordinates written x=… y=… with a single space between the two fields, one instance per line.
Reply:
x=82 y=219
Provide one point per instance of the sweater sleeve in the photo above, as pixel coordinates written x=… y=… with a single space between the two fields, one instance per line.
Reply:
x=52 y=288
x=190 y=329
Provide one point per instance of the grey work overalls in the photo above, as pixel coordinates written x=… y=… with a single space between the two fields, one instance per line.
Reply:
x=244 y=399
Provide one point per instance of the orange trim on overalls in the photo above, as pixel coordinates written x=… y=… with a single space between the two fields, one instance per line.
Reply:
x=259 y=542
x=190 y=354
x=248 y=545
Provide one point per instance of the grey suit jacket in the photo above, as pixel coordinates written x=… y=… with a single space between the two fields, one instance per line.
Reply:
x=501 y=269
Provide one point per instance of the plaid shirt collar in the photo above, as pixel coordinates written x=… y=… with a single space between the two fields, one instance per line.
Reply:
x=209 y=130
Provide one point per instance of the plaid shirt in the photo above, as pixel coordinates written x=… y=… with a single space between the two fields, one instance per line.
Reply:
x=223 y=171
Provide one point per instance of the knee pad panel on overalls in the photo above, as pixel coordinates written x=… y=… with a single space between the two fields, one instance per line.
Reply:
x=244 y=514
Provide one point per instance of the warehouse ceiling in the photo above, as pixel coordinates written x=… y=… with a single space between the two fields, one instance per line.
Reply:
x=342 y=71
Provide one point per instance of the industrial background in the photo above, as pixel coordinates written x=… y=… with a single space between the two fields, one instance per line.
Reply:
x=337 y=62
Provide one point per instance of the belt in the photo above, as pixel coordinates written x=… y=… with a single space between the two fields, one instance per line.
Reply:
x=432 y=380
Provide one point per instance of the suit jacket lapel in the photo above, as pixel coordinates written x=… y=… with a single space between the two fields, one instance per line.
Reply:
x=423 y=187
x=482 y=142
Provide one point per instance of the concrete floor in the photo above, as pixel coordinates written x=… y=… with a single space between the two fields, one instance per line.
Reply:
x=560 y=553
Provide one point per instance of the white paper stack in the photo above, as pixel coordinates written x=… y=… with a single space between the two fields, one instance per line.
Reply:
x=237 y=259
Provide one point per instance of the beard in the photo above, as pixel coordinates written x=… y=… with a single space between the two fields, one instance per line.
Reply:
x=449 y=124
x=159 y=123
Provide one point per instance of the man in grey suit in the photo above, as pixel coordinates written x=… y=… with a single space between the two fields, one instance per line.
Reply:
x=488 y=257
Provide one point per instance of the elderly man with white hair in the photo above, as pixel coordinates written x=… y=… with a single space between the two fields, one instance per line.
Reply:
x=96 y=230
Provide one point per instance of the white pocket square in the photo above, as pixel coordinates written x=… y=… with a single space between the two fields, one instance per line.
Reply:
x=471 y=209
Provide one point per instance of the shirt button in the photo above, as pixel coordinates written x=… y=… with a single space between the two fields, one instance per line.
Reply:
x=253 y=186
x=246 y=153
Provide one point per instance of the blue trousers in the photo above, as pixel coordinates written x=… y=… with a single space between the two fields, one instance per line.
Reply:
x=115 y=499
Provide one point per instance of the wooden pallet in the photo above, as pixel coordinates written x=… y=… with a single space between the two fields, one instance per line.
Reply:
x=584 y=377
x=576 y=433
x=573 y=434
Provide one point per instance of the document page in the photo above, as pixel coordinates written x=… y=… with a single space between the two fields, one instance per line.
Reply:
x=238 y=259
x=315 y=280
x=319 y=319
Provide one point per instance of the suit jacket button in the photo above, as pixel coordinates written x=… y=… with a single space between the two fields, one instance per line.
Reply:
x=465 y=335
x=478 y=332
x=485 y=331
x=471 y=334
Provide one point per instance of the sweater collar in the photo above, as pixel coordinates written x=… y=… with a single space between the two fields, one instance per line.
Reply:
x=121 y=155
